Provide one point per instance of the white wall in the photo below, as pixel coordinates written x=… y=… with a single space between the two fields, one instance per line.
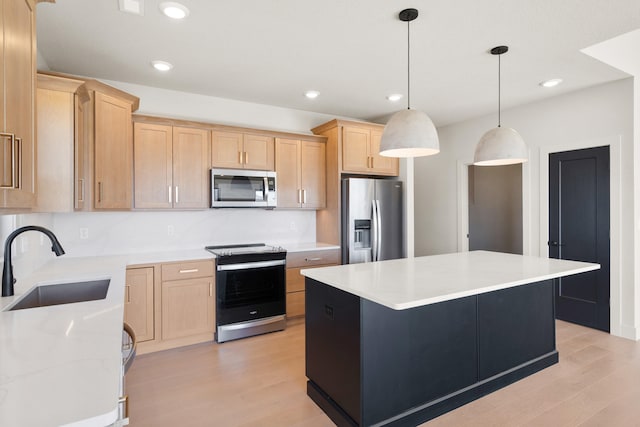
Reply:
x=601 y=115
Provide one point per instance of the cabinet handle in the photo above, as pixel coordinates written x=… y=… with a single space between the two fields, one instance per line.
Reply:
x=99 y=192
x=17 y=175
x=12 y=139
x=312 y=259
x=177 y=199
x=127 y=288
x=246 y=157
x=170 y=194
x=371 y=162
x=210 y=289
x=124 y=400
x=304 y=196
x=299 y=196
x=191 y=270
x=240 y=157
x=81 y=185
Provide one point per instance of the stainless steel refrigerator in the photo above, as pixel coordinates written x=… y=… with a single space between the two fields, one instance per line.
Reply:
x=372 y=220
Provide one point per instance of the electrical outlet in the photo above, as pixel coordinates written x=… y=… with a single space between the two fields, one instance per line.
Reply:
x=292 y=226
x=84 y=233
x=170 y=230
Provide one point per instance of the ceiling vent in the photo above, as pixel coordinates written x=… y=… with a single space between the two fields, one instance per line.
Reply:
x=132 y=6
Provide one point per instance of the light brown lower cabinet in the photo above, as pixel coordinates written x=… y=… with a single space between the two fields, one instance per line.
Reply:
x=297 y=261
x=177 y=307
x=187 y=308
x=138 y=304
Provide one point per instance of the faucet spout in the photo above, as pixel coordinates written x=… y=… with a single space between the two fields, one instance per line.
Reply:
x=7 y=270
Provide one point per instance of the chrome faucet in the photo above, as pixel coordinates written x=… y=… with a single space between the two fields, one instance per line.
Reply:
x=7 y=270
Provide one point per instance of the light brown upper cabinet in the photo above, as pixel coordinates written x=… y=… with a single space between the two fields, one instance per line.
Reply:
x=360 y=147
x=113 y=154
x=238 y=150
x=17 y=109
x=301 y=173
x=94 y=121
x=171 y=166
x=59 y=101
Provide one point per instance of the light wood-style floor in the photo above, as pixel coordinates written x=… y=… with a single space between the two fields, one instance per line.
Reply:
x=260 y=381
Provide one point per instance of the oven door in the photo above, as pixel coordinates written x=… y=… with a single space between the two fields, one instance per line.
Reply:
x=250 y=290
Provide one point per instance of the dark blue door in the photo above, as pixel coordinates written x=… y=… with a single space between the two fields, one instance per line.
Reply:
x=579 y=231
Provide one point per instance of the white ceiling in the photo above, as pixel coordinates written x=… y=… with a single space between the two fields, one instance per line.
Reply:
x=352 y=51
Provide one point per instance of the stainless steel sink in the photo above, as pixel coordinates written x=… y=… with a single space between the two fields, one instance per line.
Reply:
x=63 y=293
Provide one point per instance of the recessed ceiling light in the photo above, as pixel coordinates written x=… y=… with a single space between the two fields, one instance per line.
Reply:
x=174 y=10
x=161 y=65
x=551 y=83
x=394 y=97
x=312 y=94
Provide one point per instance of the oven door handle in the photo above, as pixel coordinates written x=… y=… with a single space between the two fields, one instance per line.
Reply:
x=250 y=265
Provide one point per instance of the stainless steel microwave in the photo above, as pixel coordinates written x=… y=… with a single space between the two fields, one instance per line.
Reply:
x=239 y=188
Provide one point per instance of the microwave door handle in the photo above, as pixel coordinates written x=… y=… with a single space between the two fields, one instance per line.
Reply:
x=266 y=189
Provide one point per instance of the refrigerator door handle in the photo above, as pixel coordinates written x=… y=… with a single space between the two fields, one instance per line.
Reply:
x=374 y=231
x=378 y=230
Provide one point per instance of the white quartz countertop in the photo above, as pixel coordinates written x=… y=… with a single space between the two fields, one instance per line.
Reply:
x=60 y=365
x=413 y=282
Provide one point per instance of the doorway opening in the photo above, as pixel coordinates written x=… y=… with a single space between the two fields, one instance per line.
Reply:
x=495 y=208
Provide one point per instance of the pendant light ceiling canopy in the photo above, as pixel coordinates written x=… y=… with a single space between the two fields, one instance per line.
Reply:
x=409 y=133
x=500 y=146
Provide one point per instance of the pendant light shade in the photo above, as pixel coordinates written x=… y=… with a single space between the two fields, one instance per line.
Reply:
x=409 y=133
x=500 y=146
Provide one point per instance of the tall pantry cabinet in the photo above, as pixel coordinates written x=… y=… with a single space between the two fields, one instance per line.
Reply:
x=17 y=109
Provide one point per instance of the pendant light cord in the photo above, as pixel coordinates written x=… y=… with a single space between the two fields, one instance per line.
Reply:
x=408 y=66
x=499 y=79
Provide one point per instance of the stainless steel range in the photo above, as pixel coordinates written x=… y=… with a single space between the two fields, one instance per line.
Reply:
x=250 y=290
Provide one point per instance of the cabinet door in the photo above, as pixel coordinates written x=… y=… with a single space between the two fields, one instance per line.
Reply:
x=191 y=168
x=55 y=116
x=113 y=153
x=226 y=150
x=258 y=152
x=138 y=307
x=82 y=182
x=382 y=165
x=18 y=162
x=187 y=307
x=313 y=174
x=355 y=149
x=152 y=158
x=288 y=173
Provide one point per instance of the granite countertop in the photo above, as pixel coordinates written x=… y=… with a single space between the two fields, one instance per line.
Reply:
x=413 y=282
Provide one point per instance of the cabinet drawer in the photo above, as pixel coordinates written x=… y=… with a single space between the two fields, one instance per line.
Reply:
x=295 y=304
x=187 y=270
x=311 y=258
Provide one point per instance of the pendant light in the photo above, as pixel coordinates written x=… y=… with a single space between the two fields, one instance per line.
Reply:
x=409 y=133
x=500 y=146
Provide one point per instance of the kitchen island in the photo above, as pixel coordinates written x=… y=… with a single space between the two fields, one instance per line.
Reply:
x=400 y=342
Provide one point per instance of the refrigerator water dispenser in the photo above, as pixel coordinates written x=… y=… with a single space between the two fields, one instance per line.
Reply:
x=362 y=233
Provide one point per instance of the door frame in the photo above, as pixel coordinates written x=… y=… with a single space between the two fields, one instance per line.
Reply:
x=463 y=205
x=614 y=143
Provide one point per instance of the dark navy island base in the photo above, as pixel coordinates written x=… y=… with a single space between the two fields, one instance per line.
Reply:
x=369 y=365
